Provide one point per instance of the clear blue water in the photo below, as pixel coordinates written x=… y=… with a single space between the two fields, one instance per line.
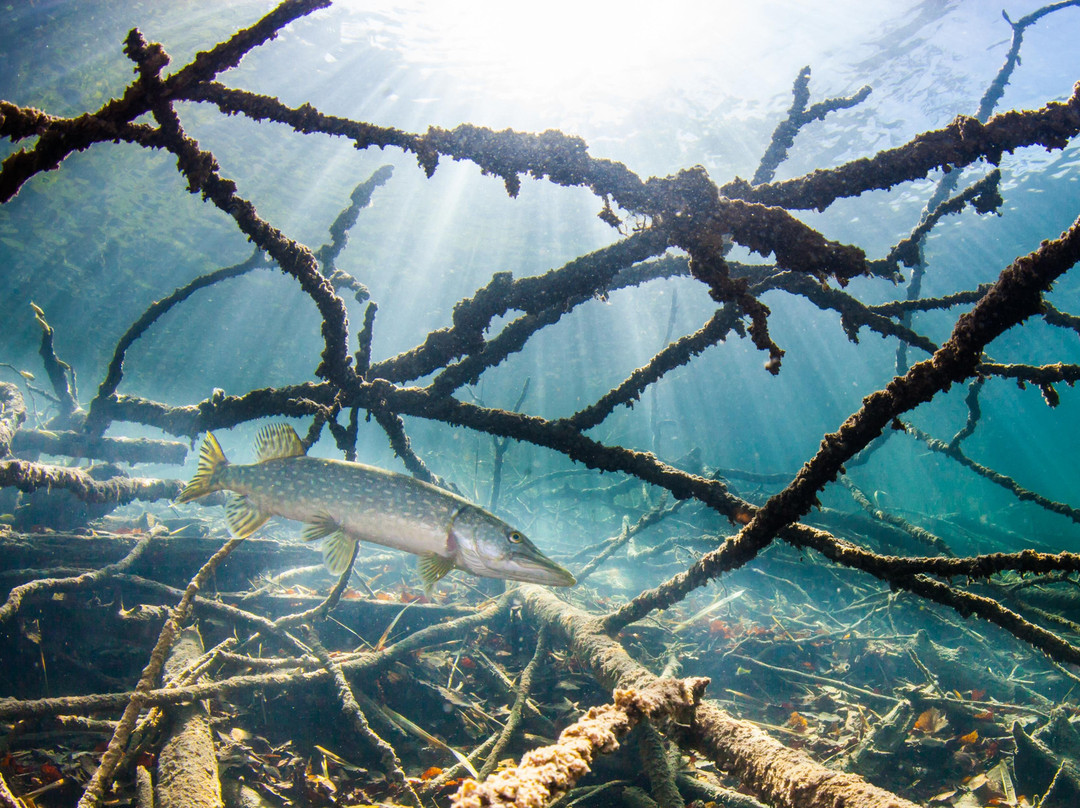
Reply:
x=113 y=230
x=659 y=87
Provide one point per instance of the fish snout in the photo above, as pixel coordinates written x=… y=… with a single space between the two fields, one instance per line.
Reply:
x=537 y=569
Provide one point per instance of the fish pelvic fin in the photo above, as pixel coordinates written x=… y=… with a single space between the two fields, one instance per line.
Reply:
x=243 y=517
x=338 y=552
x=320 y=527
x=211 y=461
x=275 y=441
x=432 y=567
x=338 y=549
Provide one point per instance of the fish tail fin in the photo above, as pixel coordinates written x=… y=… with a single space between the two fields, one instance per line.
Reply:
x=211 y=461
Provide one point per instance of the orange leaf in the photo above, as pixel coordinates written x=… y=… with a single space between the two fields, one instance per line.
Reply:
x=931 y=721
x=722 y=628
x=797 y=722
x=970 y=738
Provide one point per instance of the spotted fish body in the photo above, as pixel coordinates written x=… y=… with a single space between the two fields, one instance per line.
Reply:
x=342 y=503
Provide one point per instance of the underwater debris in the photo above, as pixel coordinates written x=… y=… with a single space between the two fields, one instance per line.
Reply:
x=12 y=415
x=687 y=211
x=548 y=772
x=186 y=769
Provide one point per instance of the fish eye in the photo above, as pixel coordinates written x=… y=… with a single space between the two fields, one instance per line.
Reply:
x=515 y=537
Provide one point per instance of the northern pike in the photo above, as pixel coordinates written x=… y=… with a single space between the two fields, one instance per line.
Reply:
x=343 y=503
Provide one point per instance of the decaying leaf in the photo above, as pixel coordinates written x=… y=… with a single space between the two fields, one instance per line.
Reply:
x=797 y=722
x=930 y=721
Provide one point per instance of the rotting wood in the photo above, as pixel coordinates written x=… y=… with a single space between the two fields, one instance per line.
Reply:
x=548 y=772
x=103 y=774
x=7 y=799
x=563 y=160
x=27 y=476
x=187 y=770
x=117 y=450
x=12 y=415
x=169 y=559
x=783 y=777
x=1040 y=771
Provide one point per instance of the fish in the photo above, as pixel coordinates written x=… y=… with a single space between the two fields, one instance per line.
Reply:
x=343 y=503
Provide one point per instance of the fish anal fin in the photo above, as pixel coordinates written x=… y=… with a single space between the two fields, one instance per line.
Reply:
x=319 y=528
x=432 y=567
x=243 y=517
x=337 y=551
x=275 y=441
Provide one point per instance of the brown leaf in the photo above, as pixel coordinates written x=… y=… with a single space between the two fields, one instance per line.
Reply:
x=931 y=721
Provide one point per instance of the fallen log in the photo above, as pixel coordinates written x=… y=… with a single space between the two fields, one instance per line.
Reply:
x=187 y=771
x=114 y=450
x=782 y=777
x=28 y=477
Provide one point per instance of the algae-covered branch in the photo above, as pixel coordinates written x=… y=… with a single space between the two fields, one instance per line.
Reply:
x=480 y=329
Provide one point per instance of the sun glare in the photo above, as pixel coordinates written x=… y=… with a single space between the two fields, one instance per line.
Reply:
x=558 y=46
x=561 y=53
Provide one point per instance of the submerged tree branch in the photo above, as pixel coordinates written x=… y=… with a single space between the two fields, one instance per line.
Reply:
x=785 y=778
x=1015 y=296
x=686 y=211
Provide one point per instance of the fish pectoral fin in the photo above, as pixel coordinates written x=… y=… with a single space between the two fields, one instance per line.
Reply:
x=320 y=527
x=432 y=567
x=337 y=551
x=242 y=517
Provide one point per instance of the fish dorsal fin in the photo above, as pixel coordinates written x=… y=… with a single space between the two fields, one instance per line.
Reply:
x=432 y=567
x=242 y=517
x=276 y=441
